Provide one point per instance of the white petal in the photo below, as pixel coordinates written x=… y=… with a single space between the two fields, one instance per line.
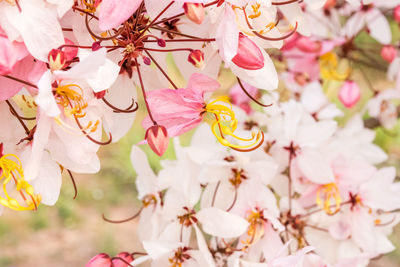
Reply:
x=146 y=180
x=315 y=167
x=39 y=27
x=379 y=26
x=220 y=223
x=45 y=98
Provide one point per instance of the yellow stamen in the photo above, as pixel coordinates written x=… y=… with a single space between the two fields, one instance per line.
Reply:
x=224 y=123
x=255 y=230
x=256 y=11
x=72 y=100
x=325 y=194
x=11 y=169
x=329 y=68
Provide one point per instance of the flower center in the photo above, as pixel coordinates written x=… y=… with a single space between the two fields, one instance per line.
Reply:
x=256 y=228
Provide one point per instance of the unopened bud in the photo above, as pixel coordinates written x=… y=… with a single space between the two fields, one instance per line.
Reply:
x=195 y=12
x=396 y=13
x=96 y=46
x=157 y=138
x=146 y=60
x=57 y=59
x=122 y=259
x=249 y=55
x=196 y=57
x=161 y=43
x=388 y=53
x=100 y=260
x=349 y=94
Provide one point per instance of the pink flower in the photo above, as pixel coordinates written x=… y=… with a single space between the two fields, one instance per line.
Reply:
x=349 y=94
x=10 y=53
x=114 y=12
x=180 y=110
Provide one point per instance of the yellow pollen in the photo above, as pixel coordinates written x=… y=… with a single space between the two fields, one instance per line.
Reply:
x=256 y=228
x=11 y=169
x=256 y=11
x=71 y=100
x=89 y=6
x=327 y=193
x=224 y=123
x=329 y=68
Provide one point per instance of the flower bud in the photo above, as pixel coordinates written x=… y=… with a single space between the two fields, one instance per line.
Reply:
x=161 y=43
x=249 y=55
x=146 y=60
x=388 y=53
x=100 y=260
x=195 y=12
x=196 y=57
x=349 y=94
x=157 y=138
x=57 y=59
x=96 y=46
x=396 y=13
x=307 y=45
x=125 y=256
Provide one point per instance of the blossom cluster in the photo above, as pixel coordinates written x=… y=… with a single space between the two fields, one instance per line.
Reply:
x=270 y=177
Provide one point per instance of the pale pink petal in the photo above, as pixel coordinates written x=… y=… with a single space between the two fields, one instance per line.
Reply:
x=227 y=36
x=113 y=12
x=201 y=83
x=220 y=223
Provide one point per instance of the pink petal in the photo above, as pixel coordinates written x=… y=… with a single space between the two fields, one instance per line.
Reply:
x=201 y=83
x=114 y=12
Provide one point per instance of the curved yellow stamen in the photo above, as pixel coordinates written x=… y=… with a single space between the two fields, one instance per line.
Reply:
x=225 y=123
x=11 y=169
x=72 y=100
x=328 y=67
x=327 y=193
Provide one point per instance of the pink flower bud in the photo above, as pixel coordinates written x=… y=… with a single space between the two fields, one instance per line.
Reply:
x=126 y=258
x=249 y=55
x=396 y=13
x=157 y=138
x=146 y=60
x=100 y=260
x=96 y=46
x=307 y=45
x=195 y=12
x=349 y=94
x=161 y=43
x=70 y=52
x=196 y=57
x=388 y=53
x=57 y=59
